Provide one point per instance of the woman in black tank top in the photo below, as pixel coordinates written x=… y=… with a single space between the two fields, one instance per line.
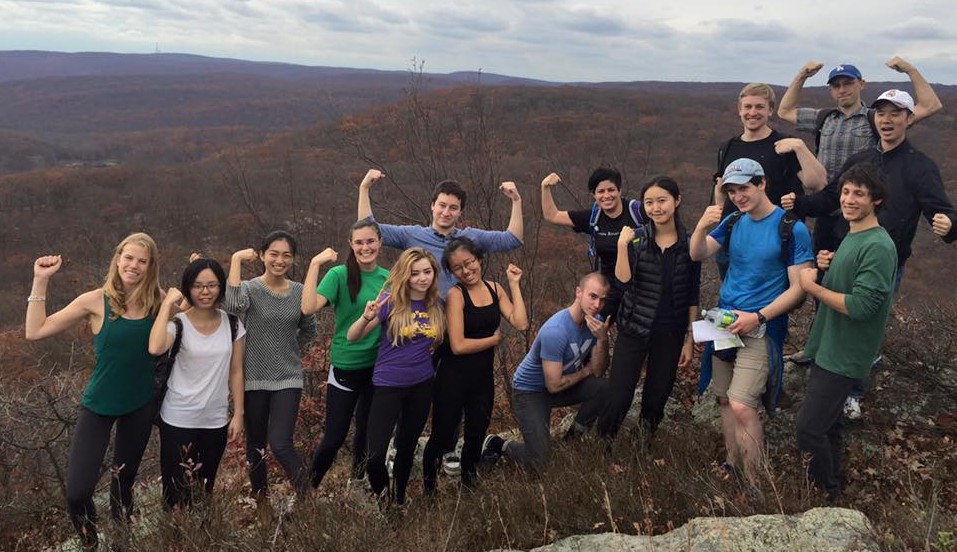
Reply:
x=464 y=381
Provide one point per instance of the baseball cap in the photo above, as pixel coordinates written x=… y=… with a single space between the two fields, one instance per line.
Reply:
x=899 y=98
x=844 y=70
x=741 y=171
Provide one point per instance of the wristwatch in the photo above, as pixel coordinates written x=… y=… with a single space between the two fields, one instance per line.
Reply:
x=761 y=318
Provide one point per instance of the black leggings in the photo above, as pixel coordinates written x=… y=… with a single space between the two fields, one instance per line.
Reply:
x=341 y=405
x=456 y=390
x=407 y=407
x=91 y=436
x=189 y=459
x=271 y=416
x=663 y=350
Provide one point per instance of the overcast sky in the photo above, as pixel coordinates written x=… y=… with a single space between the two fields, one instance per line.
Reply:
x=559 y=40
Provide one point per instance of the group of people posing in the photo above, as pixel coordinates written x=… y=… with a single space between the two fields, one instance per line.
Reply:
x=420 y=338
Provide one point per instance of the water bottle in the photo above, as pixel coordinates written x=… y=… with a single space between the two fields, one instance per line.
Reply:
x=722 y=318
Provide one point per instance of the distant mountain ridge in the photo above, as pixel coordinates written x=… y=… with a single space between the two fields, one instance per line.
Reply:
x=18 y=65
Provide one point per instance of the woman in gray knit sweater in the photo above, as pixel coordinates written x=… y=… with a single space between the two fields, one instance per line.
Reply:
x=277 y=335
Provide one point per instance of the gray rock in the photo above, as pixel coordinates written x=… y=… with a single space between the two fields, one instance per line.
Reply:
x=817 y=530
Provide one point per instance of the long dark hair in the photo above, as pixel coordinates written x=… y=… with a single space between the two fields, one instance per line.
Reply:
x=353 y=272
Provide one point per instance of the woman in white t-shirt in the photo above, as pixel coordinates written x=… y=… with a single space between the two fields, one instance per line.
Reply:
x=208 y=368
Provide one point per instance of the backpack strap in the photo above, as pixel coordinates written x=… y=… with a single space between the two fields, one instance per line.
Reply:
x=873 y=125
x=719 y=168
x=786 y=232
x=177 y=341
x=233 y=326
x=732 y=220
x=593 y=231
x=822 y=115
x=634 y=208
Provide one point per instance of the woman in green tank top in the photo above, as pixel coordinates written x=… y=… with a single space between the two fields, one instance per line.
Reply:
x=120 y=315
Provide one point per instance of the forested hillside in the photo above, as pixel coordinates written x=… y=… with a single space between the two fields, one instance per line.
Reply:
x=212 y=162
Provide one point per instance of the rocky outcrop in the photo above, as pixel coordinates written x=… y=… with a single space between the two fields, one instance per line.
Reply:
x=817 y=530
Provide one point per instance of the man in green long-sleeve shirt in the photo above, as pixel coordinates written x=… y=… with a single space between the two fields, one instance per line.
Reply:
x=856 y=296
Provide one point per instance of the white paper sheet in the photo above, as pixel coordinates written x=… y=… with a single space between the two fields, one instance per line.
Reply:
x=702 y=331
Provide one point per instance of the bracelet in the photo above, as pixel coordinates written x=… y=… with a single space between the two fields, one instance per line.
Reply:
x=36 y=299
x=368 y=319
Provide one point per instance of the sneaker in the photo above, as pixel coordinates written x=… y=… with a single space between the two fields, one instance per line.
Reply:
x=852 y=408
x=493 y=447
x=800 y=358
x=451 y=464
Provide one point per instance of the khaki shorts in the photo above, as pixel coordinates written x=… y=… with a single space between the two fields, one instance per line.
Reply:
x=743 y=381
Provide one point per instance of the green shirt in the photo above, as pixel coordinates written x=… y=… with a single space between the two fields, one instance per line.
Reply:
x=122 y=379
x=863 y=268
x=362 y=353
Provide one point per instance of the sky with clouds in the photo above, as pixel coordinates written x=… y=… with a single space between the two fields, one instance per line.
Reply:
x=558 y=40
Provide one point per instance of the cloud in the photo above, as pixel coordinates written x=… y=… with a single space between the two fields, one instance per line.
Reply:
x=458 y=22
x=564 y=40
x=921 y=29
x=742 y=30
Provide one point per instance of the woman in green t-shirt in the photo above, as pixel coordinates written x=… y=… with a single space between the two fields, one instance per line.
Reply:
x=347 y=288
x=120 y=391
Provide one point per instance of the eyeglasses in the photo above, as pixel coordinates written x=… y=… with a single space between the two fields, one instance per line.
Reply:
x=202 y=287
x=468 y=264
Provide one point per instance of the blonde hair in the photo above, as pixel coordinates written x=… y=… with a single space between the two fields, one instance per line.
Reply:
x=147 y=291
x=758 y=89
x=401 y=317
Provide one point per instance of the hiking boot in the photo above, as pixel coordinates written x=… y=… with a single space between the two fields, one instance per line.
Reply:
x=800 y=358
x=852 y=408
x=451 y=464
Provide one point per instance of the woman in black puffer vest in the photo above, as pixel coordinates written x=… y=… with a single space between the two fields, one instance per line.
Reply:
x=659 y=303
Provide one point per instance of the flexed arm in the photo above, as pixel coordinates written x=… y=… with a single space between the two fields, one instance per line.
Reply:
x=623 y=264
x=513 y=309
x=311 y=301
x=160 y=338
x=550 y=211
x=787 y=110
x=37 y=324
x=812 y=174
x=365 y=205
x=516 y=225
x=927 y=101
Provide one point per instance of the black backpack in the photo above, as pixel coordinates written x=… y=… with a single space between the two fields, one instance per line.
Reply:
x=163 y=365
x=785 y=231
x=822 y=116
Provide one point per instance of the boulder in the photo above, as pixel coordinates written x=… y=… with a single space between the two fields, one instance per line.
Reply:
x=817 y=530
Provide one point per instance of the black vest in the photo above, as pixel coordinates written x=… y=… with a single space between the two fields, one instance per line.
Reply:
x=639 y=304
